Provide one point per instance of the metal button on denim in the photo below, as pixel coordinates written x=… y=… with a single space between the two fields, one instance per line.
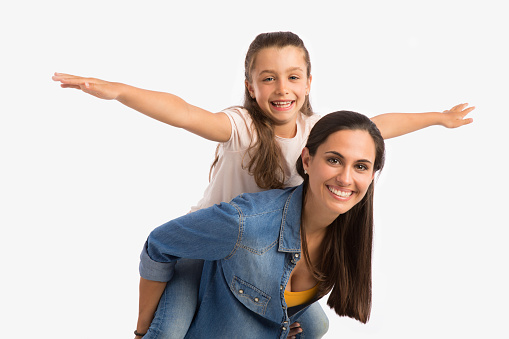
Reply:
x=241 y=291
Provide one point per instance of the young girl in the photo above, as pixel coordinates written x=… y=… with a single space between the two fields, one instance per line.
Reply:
x=259 y=144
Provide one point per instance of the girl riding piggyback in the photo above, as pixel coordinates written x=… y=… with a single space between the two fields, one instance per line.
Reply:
x=259 y=144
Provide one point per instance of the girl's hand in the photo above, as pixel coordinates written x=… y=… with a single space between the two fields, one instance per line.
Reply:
x=455 y=117
x=98 y=88
x=294 y=330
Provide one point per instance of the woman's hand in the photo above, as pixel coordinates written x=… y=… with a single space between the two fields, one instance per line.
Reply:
x=455 y=117
x=294 y=330
x=96 y=87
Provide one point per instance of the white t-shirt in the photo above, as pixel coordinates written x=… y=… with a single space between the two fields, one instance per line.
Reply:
x=229 y=178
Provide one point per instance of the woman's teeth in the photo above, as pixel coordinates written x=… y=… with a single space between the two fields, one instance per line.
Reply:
x=340 y=193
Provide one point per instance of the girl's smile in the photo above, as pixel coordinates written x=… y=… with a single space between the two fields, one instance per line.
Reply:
x=283 y=105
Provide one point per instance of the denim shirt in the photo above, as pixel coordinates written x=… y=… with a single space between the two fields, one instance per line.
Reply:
x=250 y=247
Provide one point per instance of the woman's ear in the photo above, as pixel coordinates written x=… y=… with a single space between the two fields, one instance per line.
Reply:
x=306 y=157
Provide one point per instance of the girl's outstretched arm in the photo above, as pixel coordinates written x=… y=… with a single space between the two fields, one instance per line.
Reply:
x=161 y=106
x=395 y=124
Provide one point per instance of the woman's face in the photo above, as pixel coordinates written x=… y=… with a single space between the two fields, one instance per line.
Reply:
x=340 y=172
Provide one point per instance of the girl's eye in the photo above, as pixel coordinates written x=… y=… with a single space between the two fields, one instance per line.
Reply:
x=268 y=79
x=294 y=77
x=362 y=167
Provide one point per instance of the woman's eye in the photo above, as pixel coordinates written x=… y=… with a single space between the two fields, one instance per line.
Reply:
x=268 y=79
x=294 y=77
x=333 y=161
x=362 y=167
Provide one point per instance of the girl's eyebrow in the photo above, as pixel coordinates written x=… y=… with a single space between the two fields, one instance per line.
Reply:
x=289 y=70
x=342 y=157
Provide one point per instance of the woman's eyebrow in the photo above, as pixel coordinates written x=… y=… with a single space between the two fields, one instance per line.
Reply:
x=342 y=157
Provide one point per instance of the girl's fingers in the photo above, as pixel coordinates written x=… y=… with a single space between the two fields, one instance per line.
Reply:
x=457 y=108
x=468 y=110
x=71 y=81
x=70 y=86
x=68 y=78
x=65 y=75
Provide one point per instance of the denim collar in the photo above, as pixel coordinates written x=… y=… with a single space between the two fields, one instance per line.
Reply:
x=289 y=235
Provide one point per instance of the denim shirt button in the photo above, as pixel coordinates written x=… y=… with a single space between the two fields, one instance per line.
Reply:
x=296 y=255
x=241 y=291
x=256 y=300
x=284 y=328
x=281 y=287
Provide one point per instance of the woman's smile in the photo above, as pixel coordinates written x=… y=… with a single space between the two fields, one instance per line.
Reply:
x=340 y=193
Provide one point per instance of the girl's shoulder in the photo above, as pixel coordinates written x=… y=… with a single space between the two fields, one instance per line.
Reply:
x=242 y=129
x=237 y=112
x=306 y=122
x=310 y=119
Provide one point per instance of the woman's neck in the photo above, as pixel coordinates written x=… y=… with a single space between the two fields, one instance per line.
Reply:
x=315 y=221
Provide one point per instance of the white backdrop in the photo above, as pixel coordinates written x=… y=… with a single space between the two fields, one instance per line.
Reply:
x=83 y=181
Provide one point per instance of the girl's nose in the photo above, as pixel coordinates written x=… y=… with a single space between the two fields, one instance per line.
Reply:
x=282 y=87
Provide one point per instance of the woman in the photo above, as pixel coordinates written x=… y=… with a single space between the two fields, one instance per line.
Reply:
x=253 y=280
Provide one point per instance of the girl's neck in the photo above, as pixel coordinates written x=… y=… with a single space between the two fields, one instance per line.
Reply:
x=286 y=131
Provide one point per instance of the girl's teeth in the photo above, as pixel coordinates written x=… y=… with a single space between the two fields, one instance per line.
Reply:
x=340 y=193
x=282 y=103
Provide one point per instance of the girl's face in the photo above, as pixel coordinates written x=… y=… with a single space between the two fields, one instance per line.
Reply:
x=340 y=172
x=279 y=83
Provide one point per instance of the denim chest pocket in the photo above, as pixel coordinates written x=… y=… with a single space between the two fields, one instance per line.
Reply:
x=250 y=296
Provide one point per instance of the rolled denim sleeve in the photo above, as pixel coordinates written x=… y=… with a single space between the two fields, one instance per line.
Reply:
x=153 y=270
x=208 y=234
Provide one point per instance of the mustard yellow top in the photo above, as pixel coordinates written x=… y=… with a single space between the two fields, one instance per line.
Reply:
x=299 y=298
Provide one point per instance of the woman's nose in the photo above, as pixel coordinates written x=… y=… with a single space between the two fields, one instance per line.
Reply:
x=344 y=177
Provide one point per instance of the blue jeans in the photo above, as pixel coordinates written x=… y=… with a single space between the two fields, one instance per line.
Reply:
x=313 y=321
x=179 y=301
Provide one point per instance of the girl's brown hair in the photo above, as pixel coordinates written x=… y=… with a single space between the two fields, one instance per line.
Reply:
x=344 y=268
x=266 y=163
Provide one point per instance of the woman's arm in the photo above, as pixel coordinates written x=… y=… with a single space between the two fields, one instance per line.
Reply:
x=210 y=233
x=161 y=106
x=150 y=293
x=395 y=124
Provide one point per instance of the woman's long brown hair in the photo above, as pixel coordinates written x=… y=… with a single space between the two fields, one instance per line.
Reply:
x=344 y=268
x=266 y=160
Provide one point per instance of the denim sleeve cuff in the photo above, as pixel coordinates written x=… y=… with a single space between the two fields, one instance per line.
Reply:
x=153 y=270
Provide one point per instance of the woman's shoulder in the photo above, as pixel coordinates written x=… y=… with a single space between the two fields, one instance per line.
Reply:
x=264 y=202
